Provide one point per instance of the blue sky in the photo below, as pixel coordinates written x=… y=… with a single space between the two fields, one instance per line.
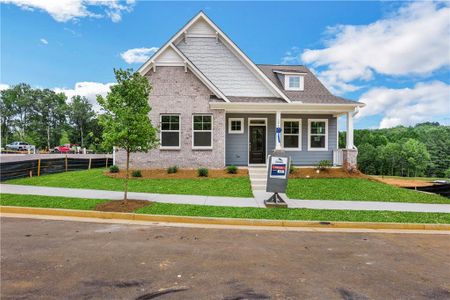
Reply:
x=383 y=53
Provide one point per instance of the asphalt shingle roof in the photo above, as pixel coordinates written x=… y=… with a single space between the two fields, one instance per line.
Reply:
x=314 y=91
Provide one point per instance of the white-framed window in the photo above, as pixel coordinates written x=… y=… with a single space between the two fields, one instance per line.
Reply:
x=291 y=138
x=202 y=131
x=169 y=134
x=293 y=82
x=317 y=134
x=235 y=125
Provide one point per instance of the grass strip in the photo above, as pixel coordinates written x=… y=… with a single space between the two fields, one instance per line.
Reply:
x=358 y=189
x=49 y=202
x=95 y=179
x=235 y=212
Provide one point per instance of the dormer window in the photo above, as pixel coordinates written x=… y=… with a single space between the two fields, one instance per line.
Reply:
x=293 y=83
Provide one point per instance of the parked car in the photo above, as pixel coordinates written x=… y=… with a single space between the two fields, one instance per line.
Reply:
x=61 y=149
x=20 y=146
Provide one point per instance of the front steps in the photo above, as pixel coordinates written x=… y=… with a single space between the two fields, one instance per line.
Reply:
x=258 y=178
x=258 y=181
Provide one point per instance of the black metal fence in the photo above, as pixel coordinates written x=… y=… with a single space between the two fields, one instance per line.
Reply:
x=38 y=167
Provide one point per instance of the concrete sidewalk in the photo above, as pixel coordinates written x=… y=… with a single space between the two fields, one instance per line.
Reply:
x=258 y=201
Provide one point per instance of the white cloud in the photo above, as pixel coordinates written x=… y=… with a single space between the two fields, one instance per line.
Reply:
x=4 y=86
x=44 y=41
x=412 y=41
x=87 y=89
x=407 y=106
x=291 y=57
x=138 y=55
x=66 y=10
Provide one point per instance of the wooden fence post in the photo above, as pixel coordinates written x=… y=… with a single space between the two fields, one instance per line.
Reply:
x=66 y=162
x=39 y=167
x=89 y=163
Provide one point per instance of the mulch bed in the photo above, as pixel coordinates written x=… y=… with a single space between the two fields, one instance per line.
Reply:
x=327 y=173
x=404 y=182
x=181 y=174
x=122 y=206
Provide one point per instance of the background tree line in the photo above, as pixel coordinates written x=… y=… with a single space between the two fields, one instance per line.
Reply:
x=422 y=150
x=47 y=119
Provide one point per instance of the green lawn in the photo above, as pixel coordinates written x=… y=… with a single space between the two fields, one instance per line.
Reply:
x=49 y=202
x=356 y=189
x=95 y=179
x=235 y=212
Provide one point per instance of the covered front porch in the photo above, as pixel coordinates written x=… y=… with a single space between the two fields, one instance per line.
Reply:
x=308 y=134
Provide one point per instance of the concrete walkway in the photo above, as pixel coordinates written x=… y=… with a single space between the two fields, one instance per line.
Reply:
x=223 y=201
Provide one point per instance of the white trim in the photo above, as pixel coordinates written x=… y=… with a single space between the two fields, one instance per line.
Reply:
x=161 y=147
x=337 y=131
x=301 y=83
x=248 y=139
x=183 y=32
x=290 y=73
x=193 y=131
x=230 y=131
x=299 y=148
x=312 y=108
x=326 y=134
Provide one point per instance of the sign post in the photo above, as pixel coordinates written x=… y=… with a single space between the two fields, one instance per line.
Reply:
x=277 y=177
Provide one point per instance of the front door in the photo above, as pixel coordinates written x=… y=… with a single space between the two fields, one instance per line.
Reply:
x=257 y=145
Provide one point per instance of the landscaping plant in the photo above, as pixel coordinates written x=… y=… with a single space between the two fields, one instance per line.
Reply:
x=136 y=173
x=324 y=164
x=291 y=169
x=173 y=169
x=202 y=172
x=232 y=169
x=125 y=120
x=114 y=169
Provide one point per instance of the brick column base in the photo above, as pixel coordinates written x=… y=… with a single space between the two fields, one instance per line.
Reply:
x=349 y=159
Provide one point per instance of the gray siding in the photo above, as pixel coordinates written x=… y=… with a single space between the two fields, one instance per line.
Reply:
x=236 y=150
x=223 y=68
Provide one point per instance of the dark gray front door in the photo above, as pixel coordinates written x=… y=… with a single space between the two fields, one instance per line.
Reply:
x=257 y=146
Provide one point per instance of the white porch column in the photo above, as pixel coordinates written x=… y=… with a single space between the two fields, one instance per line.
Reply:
x=349 y=144
x=278 y=135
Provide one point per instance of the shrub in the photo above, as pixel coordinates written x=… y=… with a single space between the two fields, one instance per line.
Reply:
x=324 y=164
x=232 y=169
x=291 y=168
x=114 y=169
x=171 y=170
x=136 y=173
x=202 y=172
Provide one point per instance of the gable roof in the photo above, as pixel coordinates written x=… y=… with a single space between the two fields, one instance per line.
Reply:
x=255 y=70
x=314 y=91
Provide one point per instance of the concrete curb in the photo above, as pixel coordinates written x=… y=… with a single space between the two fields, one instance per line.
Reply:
x=218 y=221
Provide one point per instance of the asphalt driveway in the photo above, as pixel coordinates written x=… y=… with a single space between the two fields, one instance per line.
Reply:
x=43 y=259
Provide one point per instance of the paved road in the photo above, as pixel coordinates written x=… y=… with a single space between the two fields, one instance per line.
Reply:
x=72 y=260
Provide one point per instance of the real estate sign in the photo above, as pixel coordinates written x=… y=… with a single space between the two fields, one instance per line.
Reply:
x=278 y=171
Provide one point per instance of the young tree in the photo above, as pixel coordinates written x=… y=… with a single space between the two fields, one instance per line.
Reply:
x=125 y=119
x=81 y=115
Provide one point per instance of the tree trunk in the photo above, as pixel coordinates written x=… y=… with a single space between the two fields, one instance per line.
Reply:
x=125 y=197
x=48 y=137
x=81 y=130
